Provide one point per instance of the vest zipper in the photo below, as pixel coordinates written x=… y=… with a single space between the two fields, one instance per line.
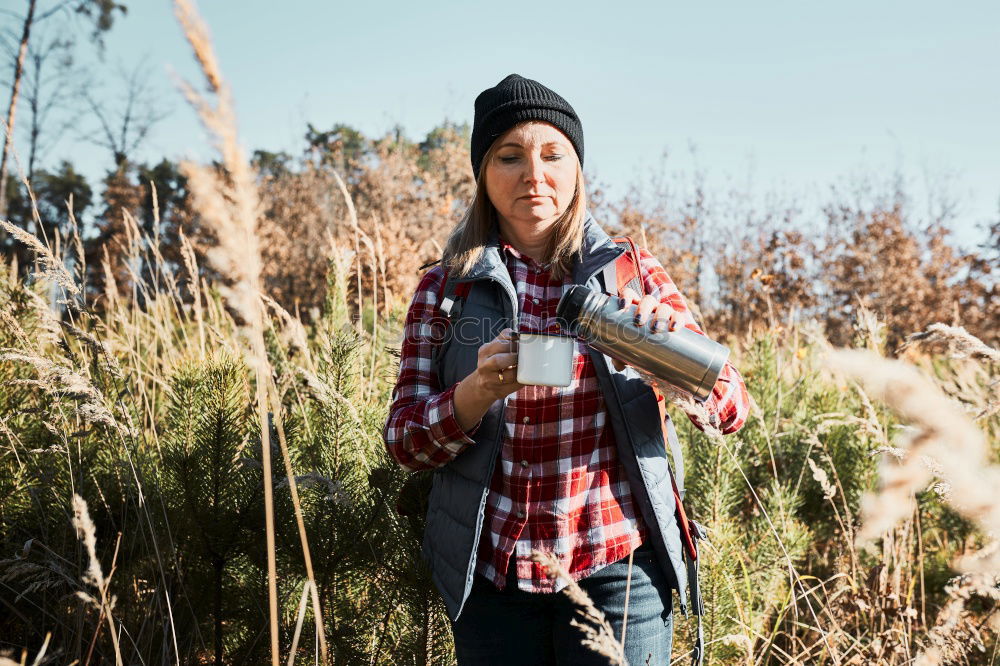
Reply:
x=512 y=294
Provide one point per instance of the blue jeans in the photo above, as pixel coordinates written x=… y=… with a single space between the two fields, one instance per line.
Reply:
x=510 y=626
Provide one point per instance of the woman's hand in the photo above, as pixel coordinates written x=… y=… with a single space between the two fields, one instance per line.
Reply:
x=494 y=378
x=659 y=316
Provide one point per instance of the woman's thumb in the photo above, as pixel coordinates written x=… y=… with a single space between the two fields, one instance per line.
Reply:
x=630 y=296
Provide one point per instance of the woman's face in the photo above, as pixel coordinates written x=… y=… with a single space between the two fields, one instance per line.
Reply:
x=531 y=177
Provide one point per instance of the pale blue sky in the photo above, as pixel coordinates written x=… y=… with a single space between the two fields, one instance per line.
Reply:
x=790 y=95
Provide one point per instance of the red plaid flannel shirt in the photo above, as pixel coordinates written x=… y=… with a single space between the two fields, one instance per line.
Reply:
x=558 y=486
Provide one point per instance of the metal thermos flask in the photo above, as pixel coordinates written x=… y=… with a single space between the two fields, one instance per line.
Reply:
x=683 y=358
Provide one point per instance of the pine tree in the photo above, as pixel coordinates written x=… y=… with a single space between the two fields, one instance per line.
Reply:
x=211 y=488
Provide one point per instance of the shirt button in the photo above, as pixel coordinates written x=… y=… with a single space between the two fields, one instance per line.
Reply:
x=520 y=514
x=535 y=301
x=525 y=420
x=524 y=463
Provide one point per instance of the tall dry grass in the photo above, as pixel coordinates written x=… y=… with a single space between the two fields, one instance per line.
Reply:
x=228 y=200
x=786 y=579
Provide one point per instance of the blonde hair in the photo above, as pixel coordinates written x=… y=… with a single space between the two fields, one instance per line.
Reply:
x=469 y=237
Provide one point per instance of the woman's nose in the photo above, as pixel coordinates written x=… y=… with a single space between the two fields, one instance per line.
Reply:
x=536 y=171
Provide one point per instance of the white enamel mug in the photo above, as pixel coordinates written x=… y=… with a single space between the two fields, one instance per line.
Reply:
x=545 y=359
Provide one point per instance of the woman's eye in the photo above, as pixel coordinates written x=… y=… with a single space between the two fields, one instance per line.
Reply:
x=554 y=157
x=508 y=159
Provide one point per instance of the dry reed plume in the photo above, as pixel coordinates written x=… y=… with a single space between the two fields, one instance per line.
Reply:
x=94 y=576
x=960 y=342
x=940 y=440
x=229 y=203
x=52 y=268
x=599 y=636
x=940 y=431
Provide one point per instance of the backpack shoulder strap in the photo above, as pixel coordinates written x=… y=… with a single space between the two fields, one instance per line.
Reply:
x=451 y=293
x=624 y=271
x=450 y=296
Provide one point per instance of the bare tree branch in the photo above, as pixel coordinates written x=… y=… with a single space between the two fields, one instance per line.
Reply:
x=125 y=124
x=48 y=89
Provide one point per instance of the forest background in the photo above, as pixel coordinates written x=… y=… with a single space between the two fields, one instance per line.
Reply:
x=156 y=316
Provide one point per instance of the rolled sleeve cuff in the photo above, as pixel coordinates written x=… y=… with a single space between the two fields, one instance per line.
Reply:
x=444 y=427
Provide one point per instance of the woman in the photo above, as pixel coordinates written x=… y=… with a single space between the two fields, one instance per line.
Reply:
x=579 y=472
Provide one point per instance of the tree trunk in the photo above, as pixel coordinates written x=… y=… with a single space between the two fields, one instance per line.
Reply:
x=15 y=91
x=424 y=657
x=36 y=127
x=217 y=602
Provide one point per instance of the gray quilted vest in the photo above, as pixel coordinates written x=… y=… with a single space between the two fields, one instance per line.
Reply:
x=457 y=500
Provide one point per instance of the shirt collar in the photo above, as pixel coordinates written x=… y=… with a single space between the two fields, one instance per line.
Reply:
x=514 y=252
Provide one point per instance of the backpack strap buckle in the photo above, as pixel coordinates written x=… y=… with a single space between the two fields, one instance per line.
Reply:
x=451 y=295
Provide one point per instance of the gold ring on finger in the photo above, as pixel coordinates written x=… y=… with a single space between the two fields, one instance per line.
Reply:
x=500 y=375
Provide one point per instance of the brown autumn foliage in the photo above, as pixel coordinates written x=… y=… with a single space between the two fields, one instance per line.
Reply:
x=673 y=238
x=742 y=267
x=406 y=197
x=765 y=277
x=907 y=276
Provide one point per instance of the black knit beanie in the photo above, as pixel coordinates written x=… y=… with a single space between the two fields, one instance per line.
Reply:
x=516 y=99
